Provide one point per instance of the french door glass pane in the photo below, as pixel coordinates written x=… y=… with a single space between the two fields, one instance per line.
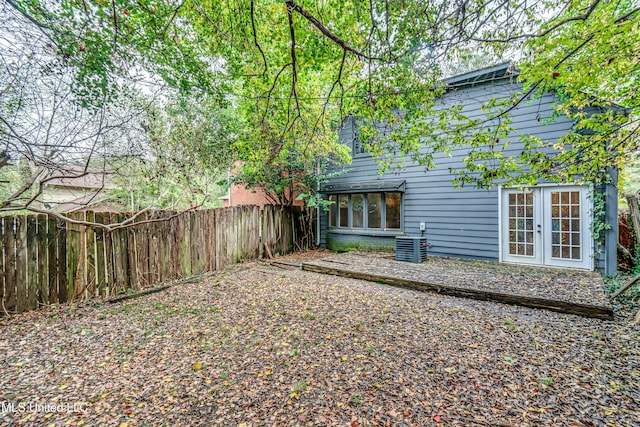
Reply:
x=357 y=210
x=521 y=234
x=565 y=229
x=392 y=202
x=374 y=210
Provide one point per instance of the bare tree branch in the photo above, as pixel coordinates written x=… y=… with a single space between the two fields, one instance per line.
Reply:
x=255 y=38
x=582 y=17
x=291 y=5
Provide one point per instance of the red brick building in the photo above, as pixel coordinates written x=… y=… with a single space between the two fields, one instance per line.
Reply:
x=239 y=195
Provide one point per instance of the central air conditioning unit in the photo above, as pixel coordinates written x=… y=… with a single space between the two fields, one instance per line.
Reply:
x=411 y=249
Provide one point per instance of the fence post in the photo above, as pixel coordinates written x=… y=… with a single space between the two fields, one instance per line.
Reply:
x=52 y=259
x=132 y=257
x=61 y=243
x=141 y=239
x=43 y=270
x=91 y=273
x=100 y=276
x=21 y=263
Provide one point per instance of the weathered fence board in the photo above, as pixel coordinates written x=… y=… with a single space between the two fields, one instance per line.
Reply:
x=52 y=260
x=72 y=263
x=32 y=262
x=90 y=264
x=42 y=281
x=61 y=244
x=21 y=263
x=46 y=261
x=2 y=256
x=9 y=267
x=101 y=278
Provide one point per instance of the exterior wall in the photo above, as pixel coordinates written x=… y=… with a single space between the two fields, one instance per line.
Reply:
x=460 y=222
x=70 y=199
x=343 y=242
x=324 y=225
x=608 y=261
x=58 y=195
x=240 y=195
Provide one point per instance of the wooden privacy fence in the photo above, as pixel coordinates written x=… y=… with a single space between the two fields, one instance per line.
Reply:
x=47 y=261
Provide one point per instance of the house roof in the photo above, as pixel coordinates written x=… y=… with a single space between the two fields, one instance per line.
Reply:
x=364 y=187
x=502 y=71
x=89 y=201
x=495 y=72
x=78 y=177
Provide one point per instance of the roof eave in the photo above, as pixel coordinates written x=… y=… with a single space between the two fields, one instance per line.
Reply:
x=495 y=72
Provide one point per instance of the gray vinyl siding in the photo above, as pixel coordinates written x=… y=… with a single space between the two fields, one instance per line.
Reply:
x=460 y=222
x=324 y=224
x=608 y=260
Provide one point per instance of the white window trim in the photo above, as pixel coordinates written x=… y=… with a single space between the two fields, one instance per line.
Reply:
x=366 y=228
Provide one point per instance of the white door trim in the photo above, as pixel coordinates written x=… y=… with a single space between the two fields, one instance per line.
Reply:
x=542 y=217
x=526 y=224
x=586 y=241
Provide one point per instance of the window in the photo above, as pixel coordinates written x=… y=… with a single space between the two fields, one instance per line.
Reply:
x=343 y=210
x=372 y=211
x=357 y=146
x=357 y=211
x=332 y=210
x=392 y=207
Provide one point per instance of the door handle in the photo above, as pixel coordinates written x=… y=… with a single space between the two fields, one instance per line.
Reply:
x=539 y=228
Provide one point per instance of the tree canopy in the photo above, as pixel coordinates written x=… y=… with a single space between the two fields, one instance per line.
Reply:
x=293 y=70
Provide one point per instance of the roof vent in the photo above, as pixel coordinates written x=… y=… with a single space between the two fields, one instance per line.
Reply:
x=411 y=249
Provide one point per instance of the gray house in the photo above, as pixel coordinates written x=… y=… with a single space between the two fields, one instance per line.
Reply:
x=547 y=225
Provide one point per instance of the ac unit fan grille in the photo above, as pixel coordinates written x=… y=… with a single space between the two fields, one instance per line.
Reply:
x=411 y=249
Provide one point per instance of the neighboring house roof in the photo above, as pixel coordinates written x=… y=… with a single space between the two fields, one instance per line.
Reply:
x=88 y=201
x=78 y=177
x=72 y=188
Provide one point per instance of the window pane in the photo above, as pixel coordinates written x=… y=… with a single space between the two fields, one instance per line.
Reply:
x=374 y=210
x=332 y=210
x=343 y=206
x=358 y=146
x=393 y=209
x=357 y=211
x=568 y=204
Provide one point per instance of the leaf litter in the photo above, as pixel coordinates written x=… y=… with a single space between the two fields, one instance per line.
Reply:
x=269 y=346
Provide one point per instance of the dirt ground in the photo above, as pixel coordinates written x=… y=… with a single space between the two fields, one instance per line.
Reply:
x=259 y=344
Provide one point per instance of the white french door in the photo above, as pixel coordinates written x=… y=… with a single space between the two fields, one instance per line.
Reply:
x=547 y=225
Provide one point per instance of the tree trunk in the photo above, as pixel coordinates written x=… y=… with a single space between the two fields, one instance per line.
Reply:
x=626 y=253
x=625 y=286
x=634 y=207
